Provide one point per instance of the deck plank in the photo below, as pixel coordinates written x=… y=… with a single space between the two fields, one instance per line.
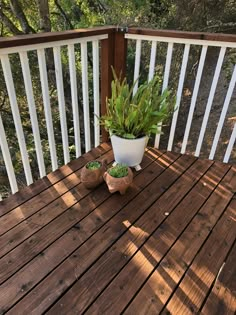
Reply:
x=148 y=256
x=53 y=206
x=222 y=298
x=39 y=186
x=156 y=250
x=55 y=194
x=85 y=291
x=164 y=280
x=80 y=260
x=44 y=238
x=197 y=281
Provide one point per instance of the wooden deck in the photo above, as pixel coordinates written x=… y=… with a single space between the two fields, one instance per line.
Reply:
x=166 y=247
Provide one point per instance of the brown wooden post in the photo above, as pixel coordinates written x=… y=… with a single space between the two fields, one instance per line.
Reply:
x=113 y=54
x=107 y=60
x=120 y=52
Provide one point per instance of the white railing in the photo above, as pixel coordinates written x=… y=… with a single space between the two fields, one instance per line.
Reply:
x=68 y=44
x=91 y=81
x=188 y=43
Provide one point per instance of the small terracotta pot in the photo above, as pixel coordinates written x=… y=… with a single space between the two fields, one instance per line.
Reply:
x=118 y=184
x=93 y=178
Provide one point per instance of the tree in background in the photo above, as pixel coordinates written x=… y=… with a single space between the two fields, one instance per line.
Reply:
x=24 y=17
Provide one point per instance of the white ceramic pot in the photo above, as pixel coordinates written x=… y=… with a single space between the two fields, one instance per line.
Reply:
x=128 y=151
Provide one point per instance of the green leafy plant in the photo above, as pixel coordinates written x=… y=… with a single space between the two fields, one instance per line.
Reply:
x=118 y=171
x=133 y=116
x=93 y=165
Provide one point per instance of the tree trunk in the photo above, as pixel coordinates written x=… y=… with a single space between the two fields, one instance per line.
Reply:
x=63 y=14
x=8 y=23
x=45 y=23
x=17 y=10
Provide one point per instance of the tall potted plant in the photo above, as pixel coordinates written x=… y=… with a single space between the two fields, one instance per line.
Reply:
x=132 y=117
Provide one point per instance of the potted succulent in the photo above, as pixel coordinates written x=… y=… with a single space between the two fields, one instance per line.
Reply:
x=132 y=117
x=92 y=173
x=118 y=178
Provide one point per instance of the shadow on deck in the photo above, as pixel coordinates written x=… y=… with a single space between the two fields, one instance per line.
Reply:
x=167 y=246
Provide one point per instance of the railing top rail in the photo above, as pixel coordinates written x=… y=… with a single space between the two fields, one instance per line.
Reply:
x=21 y=40
x=182 y=34
x=31 y=39
x=58 y=43
x=178 y=40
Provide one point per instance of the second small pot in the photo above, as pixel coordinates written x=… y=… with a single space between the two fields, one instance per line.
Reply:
x=118 y=184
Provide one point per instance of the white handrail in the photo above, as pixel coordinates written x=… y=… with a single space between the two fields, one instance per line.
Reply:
x=185 y=41
x=59 y=43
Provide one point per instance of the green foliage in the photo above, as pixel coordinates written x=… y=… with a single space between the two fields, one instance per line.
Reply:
x=131 y=116
x=93 y=165
x=118 y=171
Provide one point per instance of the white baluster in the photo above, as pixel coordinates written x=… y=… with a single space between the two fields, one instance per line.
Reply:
x=152 y=61
x=178 y=98
x=210 y=100
x=230 y=145
x=47 y=107
x=167 y=66
x=223 y=114
x=32 y=110
x=74 y=98
x=165 y=84
x=84 y=64
x=137 y=65
x=61 y=102
x=7 y=158
x=16 y=117
x=194 y=98
x=96 y=92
